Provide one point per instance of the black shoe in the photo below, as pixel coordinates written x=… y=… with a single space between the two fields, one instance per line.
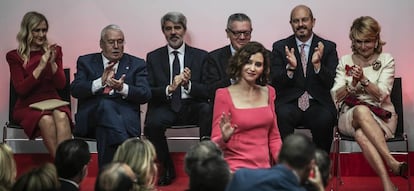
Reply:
x=167 y=177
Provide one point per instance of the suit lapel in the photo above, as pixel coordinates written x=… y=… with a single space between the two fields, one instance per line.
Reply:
x=123 y=67
x=188 y=57
x=165 y=62
x=225 y=59
x=98 y=66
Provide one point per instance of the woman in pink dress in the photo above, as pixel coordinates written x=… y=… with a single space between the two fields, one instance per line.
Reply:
x=36 y=72
x=244 y=119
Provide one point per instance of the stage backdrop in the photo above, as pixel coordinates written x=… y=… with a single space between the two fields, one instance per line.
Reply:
x=76 y=26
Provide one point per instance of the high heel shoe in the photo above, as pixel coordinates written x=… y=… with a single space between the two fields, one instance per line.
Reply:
x=402 y=170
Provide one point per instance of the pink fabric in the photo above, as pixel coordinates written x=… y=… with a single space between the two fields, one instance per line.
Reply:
x=255 y=138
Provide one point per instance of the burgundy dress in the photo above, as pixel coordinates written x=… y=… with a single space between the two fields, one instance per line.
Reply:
x=31 y=90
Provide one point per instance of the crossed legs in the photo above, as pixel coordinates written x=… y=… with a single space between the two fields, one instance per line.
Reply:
x=54 y=129
x=372 y=142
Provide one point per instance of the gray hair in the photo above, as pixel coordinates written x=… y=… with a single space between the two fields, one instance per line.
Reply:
x=176 y=18
x=109 y=27
x=237 y=17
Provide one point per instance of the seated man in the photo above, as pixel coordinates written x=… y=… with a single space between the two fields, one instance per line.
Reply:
x=303 y=73
x=296 y=160
x=72 y=159
x=110 y=86
x=179 y=96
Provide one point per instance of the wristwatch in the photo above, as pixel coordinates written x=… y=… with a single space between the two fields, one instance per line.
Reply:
x=364 y=82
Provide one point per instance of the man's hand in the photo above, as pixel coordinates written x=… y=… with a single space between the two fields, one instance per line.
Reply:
x=317 y=56
x=186 y=74
x=177 y=81
x=116 y=84
x=290 y=56
x=108 y=73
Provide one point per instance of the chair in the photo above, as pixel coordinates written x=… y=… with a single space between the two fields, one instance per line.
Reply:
x=400 y=135
x=63 y=93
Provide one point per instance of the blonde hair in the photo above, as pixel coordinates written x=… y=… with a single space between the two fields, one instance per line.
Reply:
x=139 y=154
x=7 y=166
x=38 y=179
x=24 y=38
x=366 y=27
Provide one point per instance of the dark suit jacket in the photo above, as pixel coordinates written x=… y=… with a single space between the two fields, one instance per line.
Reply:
x=89 y=68
x=215 y=70
x=318 y=85
x=277 y=178
x=159 y=74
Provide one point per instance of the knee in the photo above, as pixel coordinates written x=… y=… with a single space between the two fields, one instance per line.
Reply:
x=59 y=115
x=361 y=113
x=46 y=121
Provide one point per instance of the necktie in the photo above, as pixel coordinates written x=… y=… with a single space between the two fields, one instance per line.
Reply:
x=303 y=101
x=176 y=96
x=108 y=89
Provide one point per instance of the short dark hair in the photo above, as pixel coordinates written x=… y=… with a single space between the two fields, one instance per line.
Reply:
x=297 y=151
x=237 y=17
x=71 y=156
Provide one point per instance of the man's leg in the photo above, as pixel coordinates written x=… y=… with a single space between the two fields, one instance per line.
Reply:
x=157 y=120
x=320 y=121
x=289 y=116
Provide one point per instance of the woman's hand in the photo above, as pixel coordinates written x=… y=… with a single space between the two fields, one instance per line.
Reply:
x=227 y=129
x=357 y=74
x=52 y=59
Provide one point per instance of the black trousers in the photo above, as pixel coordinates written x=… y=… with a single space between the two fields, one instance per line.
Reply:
x=159 y=118
x=319 y=119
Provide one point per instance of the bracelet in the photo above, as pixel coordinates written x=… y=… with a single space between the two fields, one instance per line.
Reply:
x=350 y=89
x=365 y=82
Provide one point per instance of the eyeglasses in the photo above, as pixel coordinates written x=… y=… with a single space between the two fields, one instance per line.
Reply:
x=238 y=34
x=119 y=42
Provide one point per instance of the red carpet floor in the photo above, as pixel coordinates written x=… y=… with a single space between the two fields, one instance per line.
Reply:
x=357 y=175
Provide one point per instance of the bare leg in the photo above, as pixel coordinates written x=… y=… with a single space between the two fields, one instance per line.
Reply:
x=48 y=133
x=63 y=131
x=363 y=119
x=374 y=159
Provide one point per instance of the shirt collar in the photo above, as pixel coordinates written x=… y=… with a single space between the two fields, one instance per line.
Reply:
x=180 y=50
x=232 y=50
x=308 y=42
x=69 y=181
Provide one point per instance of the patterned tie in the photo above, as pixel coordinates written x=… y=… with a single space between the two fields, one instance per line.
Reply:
x=176 y=96
x=303 y=101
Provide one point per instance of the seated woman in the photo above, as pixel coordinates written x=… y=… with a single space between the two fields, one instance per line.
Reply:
x=139 y=154
x=36 y=73
x=368 y=75
x=244 y=119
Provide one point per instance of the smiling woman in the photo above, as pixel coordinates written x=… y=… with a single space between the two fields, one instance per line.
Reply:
x=36 y=72
x=247 y=142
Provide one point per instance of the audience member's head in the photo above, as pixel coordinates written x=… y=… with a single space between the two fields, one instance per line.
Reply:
x=112 y=42
x=114 y=177
x=7 y=166
x=72 y=158
x=203 y=150
x=206 y=167
x=298 y=153
x=140 y=155
x=242 y=58
x=323 y=162
x=43 y=178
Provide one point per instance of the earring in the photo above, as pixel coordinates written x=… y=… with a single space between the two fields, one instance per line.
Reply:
x=376 y=44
